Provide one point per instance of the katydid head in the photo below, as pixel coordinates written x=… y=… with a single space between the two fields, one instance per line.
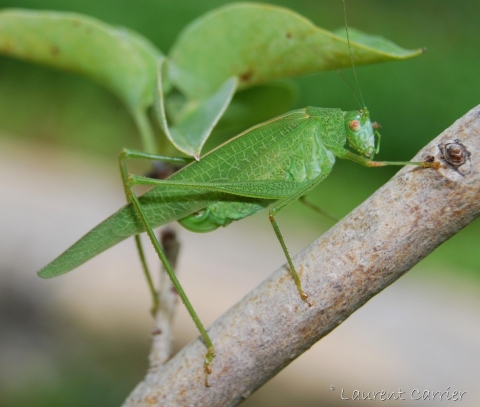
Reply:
x=361 y=133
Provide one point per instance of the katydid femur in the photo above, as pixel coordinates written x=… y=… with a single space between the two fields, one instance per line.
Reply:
x=278 y=161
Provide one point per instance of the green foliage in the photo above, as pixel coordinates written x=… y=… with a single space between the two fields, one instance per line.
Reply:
x=259 y=43
x=237 y=46
x=197 y=117
x=118 y=58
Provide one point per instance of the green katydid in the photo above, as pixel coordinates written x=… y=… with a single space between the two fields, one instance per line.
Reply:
x=275 y=162
x=278 y=161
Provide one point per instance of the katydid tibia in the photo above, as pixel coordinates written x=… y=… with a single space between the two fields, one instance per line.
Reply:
x=277 y=162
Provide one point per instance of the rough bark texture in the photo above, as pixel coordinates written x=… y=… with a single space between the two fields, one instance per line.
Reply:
x=360 y=256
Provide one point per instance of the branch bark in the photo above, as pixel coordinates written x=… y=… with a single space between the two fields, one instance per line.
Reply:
x=368 y=250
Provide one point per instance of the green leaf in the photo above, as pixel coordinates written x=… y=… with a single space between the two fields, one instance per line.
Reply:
x=197 y=119
x=259 y=43
x=119 y=59
x=379 y=44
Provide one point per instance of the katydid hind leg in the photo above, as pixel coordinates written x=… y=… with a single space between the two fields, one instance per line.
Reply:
x=148 y=276
x=124 y=155
x=161 y=254
x=127 y=154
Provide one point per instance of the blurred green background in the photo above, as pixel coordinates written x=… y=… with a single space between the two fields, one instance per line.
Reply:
x=414 y=100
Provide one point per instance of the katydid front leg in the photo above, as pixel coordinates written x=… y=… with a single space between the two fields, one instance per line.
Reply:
x=370 y=163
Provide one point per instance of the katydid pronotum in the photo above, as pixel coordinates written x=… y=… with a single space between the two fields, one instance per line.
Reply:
x=275 y=162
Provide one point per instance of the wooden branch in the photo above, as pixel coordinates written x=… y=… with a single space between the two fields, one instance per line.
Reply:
x=162 y=335
x=368 y=250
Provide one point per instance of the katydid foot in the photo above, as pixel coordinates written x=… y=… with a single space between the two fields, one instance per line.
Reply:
x=304 y=297
x=207 y=362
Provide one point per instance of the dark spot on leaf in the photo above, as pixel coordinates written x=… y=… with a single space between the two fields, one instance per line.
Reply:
x=54 y=51
x=76 y=23
x=288 y=34
x=7 y=48
x=246 y=76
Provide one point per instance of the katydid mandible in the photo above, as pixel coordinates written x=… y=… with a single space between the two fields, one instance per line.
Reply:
x=278 y=161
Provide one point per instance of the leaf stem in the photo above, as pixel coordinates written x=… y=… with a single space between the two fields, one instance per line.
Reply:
x=146 y=132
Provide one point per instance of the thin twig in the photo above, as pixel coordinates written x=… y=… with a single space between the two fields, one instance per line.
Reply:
x=162 y=333
x=368 y=250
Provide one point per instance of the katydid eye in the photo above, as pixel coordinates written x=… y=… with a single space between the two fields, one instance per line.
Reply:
x=355 y=125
